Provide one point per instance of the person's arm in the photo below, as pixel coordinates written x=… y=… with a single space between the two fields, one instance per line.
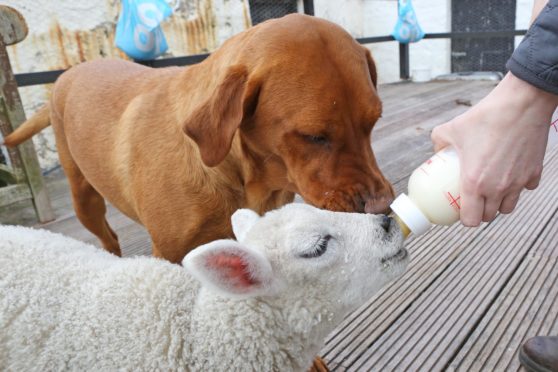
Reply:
x=538 y=5
x=536 y=58
x=501 y=141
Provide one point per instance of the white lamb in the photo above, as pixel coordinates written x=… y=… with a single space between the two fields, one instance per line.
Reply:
x=265 y=303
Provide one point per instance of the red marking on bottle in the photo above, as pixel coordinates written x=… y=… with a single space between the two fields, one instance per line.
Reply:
x=429 y=161
x=454 y=202
x=554 y=124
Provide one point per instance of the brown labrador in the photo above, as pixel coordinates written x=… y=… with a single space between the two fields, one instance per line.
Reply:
x=285 y=107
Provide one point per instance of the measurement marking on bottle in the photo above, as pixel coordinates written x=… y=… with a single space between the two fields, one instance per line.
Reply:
x=425 y=172
x=454 y=202
x=554 y=124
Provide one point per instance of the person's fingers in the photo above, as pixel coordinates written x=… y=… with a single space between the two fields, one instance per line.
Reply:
x=438 y=137
x=533 y=182
x=472 y=209
x=491 y=206
x=509 y=202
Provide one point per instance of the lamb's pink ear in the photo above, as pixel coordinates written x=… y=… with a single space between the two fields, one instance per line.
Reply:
x=230 y=268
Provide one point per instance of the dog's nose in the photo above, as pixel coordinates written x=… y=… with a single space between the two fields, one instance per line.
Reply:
x=378 y=205
x=386 y=222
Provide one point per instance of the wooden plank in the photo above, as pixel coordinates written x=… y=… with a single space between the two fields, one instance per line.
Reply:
x=133 y=238
x=396 y=97
x=429 y=332
x=402 y=141
x=13 y=194
x=8 y=175
x=59 y=193
x=528 y=306
x=360 y=336
x=404 y=112
x=445 y=315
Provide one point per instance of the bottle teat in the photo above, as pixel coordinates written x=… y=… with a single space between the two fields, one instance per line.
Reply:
x=409 y=217
x=404 y=228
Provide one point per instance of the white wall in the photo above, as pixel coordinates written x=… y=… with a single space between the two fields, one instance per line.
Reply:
x=364 y=18
x=348 y=14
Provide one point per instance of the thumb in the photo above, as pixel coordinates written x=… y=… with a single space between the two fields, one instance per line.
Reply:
x=440 y=137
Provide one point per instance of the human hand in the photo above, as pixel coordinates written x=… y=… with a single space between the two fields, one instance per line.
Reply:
x=501 y=143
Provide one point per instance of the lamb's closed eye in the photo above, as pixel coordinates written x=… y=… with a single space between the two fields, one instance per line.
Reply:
x=319 y=248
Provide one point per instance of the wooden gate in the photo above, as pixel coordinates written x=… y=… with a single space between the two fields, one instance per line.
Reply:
x=20 y=178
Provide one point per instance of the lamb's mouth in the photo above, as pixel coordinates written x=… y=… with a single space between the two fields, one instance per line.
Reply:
x=401 y=254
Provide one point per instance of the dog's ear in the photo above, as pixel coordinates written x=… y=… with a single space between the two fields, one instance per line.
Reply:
x=213 y=124
x=371 y=67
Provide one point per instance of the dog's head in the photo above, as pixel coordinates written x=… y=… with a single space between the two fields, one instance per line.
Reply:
x=301 y=94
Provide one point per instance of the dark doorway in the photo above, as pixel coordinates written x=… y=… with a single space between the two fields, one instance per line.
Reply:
x=482 y=54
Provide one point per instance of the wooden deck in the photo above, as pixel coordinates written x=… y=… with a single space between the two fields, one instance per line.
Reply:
x=470 y=297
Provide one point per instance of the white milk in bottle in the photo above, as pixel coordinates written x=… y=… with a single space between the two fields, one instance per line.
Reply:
x=433 y=194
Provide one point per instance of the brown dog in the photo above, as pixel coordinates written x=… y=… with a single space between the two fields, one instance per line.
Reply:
x=285 y=107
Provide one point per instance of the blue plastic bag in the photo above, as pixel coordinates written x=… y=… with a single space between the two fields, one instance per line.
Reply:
x=407 y=29
x=138 y=31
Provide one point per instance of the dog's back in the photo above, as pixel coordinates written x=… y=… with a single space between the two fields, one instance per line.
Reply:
x=99 y=110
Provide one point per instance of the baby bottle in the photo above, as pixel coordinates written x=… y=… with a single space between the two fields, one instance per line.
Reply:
x=433 y=195
x=434 y=191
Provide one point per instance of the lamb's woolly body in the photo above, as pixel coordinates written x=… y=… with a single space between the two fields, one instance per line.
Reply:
x=277 y=335
x=105 y=311
x=63 y=295
x=66 y=305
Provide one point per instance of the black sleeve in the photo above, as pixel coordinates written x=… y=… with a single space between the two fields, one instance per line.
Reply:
x=536 y=58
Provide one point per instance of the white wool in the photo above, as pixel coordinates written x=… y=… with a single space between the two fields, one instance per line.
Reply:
x=66 y=305
x=69 y=305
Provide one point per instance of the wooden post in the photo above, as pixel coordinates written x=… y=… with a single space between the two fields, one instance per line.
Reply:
x=12 y=30
x=404 y=62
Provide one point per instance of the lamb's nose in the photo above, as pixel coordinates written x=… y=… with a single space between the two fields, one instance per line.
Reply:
x=386 y=223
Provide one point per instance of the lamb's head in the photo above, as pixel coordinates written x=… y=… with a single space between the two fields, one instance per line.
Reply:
x=304 y=255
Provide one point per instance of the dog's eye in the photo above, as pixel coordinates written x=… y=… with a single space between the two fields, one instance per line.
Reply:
x=319 y=140
x=319 y=249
